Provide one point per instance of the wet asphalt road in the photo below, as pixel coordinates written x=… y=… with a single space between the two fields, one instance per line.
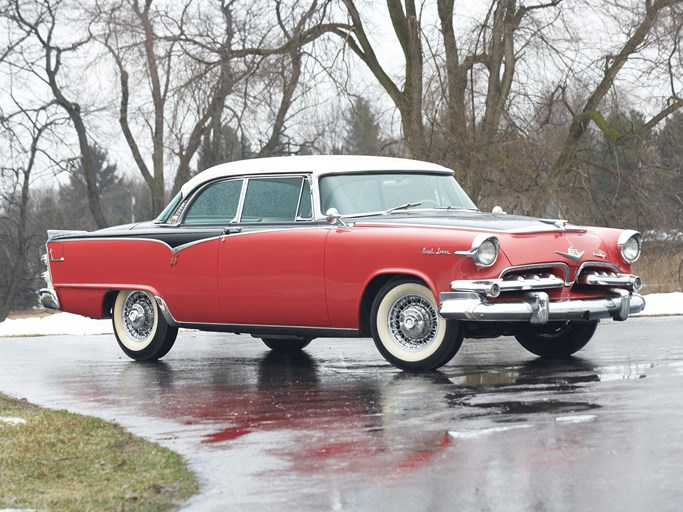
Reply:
x=337 y=428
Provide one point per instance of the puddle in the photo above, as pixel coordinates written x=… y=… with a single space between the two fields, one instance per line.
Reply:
x=534 y=406
x=483 y=432
x=581 y=418
x=626 y=371
x=536 y=373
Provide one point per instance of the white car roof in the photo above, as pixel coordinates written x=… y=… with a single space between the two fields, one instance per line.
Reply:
x=313 y=164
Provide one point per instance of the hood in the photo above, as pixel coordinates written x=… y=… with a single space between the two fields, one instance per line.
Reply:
x=471 y=219
x=570 y=247
x=523 y=240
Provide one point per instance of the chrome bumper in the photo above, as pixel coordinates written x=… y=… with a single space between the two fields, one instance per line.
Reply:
x=48 y=298
x=536 y=308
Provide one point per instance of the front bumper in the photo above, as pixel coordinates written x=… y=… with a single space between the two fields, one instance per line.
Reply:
x=536 y=308
x=48 y=299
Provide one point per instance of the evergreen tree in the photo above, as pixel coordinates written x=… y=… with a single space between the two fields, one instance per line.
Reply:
x=670 y=146
x=362 y=129
x=223 y=144
x=75 y=194
x=107 y=173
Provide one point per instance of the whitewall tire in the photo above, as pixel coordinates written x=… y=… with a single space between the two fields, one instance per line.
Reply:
x=408 y=330
x=140 y=330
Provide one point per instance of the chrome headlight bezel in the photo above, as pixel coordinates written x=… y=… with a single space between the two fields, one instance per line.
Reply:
x=484 y=250
x=630 y=246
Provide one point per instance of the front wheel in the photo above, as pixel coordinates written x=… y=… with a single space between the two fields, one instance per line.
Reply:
x=408 y=330
x=556 y=339
x=141 y=331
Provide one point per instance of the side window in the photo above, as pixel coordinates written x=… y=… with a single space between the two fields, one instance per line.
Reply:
x=305 y=206
x=216 y=204
x=272 y=200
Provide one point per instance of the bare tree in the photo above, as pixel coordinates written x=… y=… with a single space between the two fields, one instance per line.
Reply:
x=23 y=131
x=634 y=47
x=477 y=96
x=39 y=53
x=494 y=49
x=193 y=57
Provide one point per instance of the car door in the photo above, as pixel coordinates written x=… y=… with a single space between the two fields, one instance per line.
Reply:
x=271 y=267
x=191 y=281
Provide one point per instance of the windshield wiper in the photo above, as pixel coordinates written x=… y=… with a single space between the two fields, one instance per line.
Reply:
x=458 y=208
x=402 y=207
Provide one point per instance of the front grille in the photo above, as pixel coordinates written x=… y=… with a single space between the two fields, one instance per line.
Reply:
x=602 y=276
x=536 y=273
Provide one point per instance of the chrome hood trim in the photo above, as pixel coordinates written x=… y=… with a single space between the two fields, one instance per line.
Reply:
x=472 y=220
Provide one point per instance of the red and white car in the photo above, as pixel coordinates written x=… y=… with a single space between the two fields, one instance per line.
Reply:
x=290 y=249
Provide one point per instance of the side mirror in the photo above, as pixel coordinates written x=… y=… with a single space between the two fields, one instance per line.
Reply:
x=497 y=210
x=334 y=218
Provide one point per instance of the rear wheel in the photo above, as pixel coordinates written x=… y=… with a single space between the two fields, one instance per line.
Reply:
x=408 y=330
x=556 y=339
x=140 y=330
x=286 y=345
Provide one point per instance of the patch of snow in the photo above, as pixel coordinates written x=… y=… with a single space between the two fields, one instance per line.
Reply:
x=57 y=323
x=656 y=304
x=8 y=420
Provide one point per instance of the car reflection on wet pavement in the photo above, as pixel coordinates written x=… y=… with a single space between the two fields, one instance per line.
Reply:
x=336 y=428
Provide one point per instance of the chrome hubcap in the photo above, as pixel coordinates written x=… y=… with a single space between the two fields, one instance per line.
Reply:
x=138 y=316
x=413 y=322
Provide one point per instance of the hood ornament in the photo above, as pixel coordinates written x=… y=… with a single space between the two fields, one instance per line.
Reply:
x=572 y=254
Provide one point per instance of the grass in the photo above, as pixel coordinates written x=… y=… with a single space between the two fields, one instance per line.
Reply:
x=58 y=461
x=31 y=313
x=661 y=268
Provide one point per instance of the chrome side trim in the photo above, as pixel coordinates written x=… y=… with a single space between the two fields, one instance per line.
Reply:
x=519 y=231
x=53 y=234
x=251 y=328
x=180 y=248
x=536 y=308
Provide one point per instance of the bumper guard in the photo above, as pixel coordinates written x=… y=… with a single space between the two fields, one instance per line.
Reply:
x=536 y=308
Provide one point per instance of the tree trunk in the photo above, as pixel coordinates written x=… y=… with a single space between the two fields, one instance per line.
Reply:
x=52 y=65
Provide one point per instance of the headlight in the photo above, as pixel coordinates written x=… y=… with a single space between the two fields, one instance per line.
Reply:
x=484 y=250
x=487 y=253
x=629 y=245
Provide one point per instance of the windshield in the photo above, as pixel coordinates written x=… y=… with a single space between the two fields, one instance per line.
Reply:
x=163 y=216
x=355 y=194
